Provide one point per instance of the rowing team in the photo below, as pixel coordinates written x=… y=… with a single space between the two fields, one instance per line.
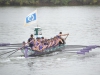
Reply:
x=40 y=44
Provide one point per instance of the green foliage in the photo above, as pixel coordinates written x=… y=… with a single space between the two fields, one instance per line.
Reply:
x=65 y=2
x=95 y=1
x=55 y=2
x=47 y=2
x=2 y=2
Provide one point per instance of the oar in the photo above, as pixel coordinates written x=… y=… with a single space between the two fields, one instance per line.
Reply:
x=11 y=46
x=77 y=52
x=74 y=46
x=6 y=44
x=88 y=48
x=13 y=53
x=82 y=51
x=66 y=37
x=8 y=48
x=7 y=52
x=71 y=50
x=93 y=46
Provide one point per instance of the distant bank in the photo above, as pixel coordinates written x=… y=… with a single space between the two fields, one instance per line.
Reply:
x=48 y=2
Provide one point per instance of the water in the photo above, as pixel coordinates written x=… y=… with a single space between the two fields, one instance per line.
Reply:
x=81 y=22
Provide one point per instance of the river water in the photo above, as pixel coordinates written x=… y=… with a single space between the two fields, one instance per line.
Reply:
x=81 y=22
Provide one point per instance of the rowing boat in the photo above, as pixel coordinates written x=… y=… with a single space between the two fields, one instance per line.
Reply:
x=29 y=52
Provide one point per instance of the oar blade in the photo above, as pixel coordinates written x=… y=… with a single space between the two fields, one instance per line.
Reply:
x=4 y=44
x=81 y=53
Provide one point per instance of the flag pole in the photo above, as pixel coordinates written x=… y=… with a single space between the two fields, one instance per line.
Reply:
x=37 y=21
x=37 y=25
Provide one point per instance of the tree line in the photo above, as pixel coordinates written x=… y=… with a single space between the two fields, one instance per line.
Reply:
x=48 y=2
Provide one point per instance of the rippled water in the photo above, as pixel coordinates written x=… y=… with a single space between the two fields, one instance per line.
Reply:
x=81 y=22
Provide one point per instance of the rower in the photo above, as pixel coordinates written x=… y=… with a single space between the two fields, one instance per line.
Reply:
x=60 y=40
x=24 y=45
x=60 y=35
x=31 y=38
x=36 y=44
x=42 y=46
x=42 y=39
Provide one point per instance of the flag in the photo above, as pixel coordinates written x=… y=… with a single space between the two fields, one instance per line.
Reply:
x=31 y=18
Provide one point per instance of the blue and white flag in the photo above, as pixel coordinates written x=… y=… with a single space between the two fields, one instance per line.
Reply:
x=31 y=18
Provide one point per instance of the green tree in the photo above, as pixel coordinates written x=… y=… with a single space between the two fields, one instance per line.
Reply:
x=55 y=2
x=65 y=2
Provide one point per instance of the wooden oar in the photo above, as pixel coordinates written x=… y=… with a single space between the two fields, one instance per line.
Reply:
x=70 y=50
x=66 y=37
x=7 y=52
x=7 y=44
x=77 y=52
x=12 y=46
x=12 y=53
x=82 y=51
x=8 y=48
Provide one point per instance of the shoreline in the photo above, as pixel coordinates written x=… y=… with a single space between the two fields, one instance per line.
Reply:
x=44 y=5
x=49 y=2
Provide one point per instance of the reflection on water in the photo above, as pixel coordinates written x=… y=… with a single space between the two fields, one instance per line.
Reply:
x=81 y=22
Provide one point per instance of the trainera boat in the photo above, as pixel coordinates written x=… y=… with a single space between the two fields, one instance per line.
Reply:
x=29 y=52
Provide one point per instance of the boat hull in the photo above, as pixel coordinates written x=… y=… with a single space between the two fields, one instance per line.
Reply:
x=29 y=52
